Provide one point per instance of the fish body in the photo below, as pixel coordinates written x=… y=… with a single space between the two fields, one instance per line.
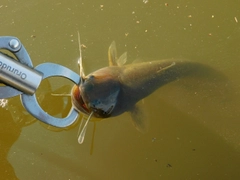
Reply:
x=113 y=90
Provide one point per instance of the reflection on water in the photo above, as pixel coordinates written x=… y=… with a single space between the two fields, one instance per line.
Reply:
x=10 y=131
x=194 y=126
x=15 y=117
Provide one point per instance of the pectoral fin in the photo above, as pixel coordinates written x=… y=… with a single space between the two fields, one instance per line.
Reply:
x=81 y=70
x=139 y=119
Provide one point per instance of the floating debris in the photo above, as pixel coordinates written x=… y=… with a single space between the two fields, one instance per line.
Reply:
x=236 y=19
x=83 y=46
x=169 y=166
x=3 y=102
x=154 y=139
x=145 y=1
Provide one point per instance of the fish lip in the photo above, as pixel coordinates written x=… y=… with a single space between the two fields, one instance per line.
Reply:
x=78 y=101
x=99 y=113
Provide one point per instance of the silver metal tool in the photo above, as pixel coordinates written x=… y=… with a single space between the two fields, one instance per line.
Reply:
x=18 y=75
x=21 y=78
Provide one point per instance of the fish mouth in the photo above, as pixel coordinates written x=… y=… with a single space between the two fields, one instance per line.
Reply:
x=100 y=113
x=78 y=102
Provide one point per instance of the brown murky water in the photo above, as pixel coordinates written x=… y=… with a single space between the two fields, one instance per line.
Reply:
x=194 y=124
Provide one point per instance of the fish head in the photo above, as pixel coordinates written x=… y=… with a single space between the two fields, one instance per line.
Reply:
x=98 y=93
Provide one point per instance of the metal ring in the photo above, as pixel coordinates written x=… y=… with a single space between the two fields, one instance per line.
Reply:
x=30 y=102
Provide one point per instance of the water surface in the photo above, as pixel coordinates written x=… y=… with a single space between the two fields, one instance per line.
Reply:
x=194 y=124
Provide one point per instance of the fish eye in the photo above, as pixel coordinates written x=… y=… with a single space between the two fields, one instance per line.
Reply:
x=91 y=77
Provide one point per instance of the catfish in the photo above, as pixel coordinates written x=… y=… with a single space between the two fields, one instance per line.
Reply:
x=113 y=90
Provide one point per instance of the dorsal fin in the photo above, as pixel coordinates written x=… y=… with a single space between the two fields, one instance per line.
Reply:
x=122 y=59
x=113 y=60
x=112 y=54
